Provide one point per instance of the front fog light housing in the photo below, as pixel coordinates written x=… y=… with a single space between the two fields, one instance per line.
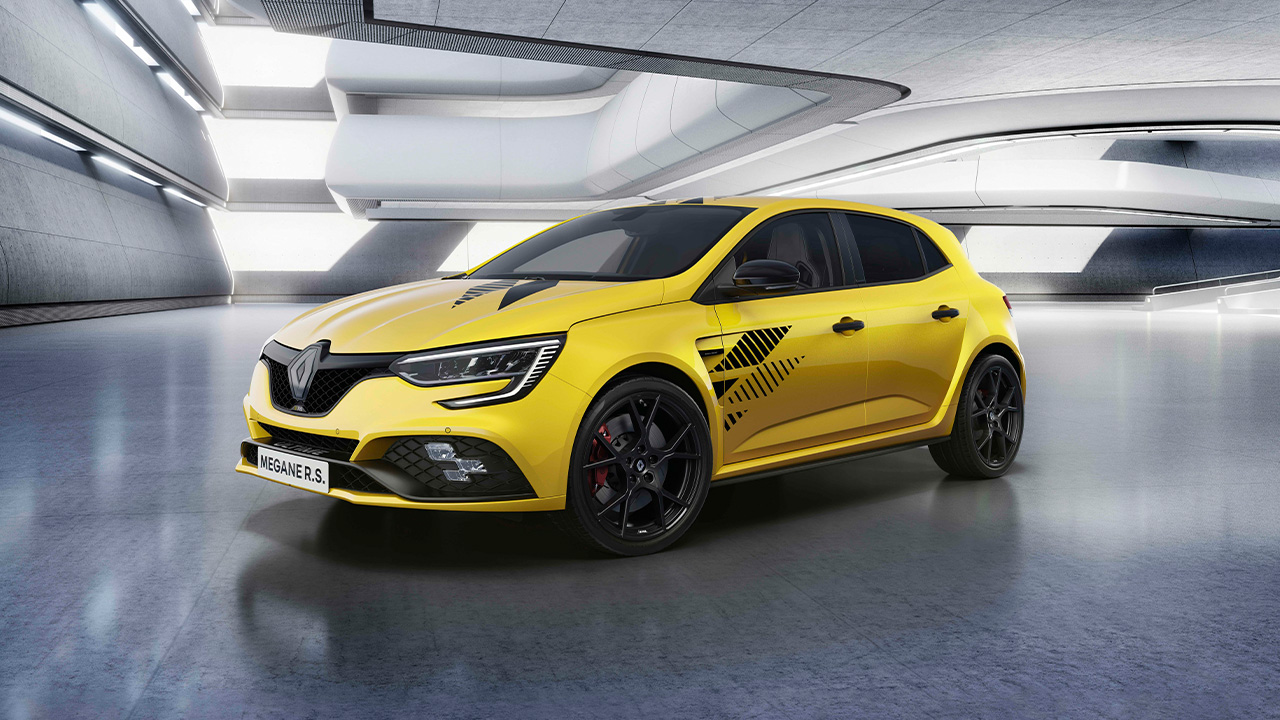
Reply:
x=521 y=362
x=443 y=453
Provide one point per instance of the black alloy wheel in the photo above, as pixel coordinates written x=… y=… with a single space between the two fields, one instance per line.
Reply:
x=988 y=426
x=640 y=469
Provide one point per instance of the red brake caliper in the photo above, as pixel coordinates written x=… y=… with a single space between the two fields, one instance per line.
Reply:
x=600 y=475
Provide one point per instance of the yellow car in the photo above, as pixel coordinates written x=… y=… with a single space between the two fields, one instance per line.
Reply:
x=613 y=367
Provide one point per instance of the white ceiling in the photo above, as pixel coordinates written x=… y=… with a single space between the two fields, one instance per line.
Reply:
x=941 y=49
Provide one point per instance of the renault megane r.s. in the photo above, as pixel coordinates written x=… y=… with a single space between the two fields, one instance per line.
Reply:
x=612 y=368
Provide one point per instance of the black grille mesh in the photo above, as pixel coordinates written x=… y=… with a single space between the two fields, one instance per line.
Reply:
x=327 y=387
x=310 y=443
x=503 y=476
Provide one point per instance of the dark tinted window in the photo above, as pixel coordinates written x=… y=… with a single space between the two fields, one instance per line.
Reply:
x=805 y=240
x=933 y=257
x=887 y=249
x=624 y=244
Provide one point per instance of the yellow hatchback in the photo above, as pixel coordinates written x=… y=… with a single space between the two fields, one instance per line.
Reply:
x=613 y=367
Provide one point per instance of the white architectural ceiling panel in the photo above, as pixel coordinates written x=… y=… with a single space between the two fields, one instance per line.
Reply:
x=951 y=49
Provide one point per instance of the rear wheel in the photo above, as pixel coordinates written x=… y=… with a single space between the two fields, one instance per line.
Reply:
x=640 y=469
x=988 y=425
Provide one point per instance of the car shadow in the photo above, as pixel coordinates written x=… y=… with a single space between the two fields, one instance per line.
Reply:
x=401 y=540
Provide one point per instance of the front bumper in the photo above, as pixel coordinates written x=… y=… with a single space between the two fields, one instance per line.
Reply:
x=368 y=456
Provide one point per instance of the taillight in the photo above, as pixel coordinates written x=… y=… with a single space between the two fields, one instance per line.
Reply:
x=1007 y=304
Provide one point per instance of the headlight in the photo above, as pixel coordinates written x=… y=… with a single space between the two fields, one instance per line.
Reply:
x=522 y=362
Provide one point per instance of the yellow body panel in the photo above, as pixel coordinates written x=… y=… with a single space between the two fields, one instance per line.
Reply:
x=814 y=394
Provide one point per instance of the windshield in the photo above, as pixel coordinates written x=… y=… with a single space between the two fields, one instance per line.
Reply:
x=637 y=243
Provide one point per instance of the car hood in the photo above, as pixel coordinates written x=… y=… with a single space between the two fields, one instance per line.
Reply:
x=439 y=313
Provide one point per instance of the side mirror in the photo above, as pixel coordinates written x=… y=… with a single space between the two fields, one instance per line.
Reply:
x=758 y=277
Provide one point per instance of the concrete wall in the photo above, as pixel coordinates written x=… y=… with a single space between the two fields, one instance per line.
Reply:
x=71 y=231
x=1127 y=261
x=52 y=49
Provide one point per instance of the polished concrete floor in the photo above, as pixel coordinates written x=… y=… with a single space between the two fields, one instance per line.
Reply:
x=1128 y=567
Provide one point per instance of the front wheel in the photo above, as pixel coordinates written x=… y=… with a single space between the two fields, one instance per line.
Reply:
x=988 y=424
x=640 y=469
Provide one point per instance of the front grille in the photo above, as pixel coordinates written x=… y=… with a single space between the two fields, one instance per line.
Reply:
x=327 y=387
x=310 y=443
x=502 y=476
x=341 y=477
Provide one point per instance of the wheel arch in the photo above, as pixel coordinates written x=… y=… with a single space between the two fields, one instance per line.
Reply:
x=997 y=347
x=662 y=371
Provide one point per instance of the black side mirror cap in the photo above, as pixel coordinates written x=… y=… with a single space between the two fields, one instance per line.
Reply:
x=760 y=277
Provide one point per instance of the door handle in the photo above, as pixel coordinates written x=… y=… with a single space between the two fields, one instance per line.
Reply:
x=844 y=327
x=945 y=312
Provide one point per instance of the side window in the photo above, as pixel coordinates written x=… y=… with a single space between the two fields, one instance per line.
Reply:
x=888 y=249
x=805 y=240
x=933 y=257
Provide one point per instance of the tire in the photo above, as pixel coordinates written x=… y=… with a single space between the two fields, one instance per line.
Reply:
x=986 y=435
x=636 y=492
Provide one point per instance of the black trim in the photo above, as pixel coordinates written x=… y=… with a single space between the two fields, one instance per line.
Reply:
x=395 y=480
x=826 y=461
x=520 y=292
x=276 y=356
x=370 y=18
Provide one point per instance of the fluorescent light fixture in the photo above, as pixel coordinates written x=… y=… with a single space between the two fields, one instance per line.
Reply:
x=486 y=240
x=124 y=169
x=104 y=16
x=31 y=127
x=191 y=8
x=182 y=196
x=169 y=80
x=261 y=148
x=144 y=56
x=177 y=88
x=288 y=241
x=994 y=209
x=262 y=57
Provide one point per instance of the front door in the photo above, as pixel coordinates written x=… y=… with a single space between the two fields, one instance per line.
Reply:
x=916 y=309
x=788 y=379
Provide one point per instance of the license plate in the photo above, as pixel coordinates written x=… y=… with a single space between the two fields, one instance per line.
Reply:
x=304 y=472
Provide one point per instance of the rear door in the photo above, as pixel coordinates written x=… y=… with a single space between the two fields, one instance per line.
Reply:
x=788 y=380
x=916 y=309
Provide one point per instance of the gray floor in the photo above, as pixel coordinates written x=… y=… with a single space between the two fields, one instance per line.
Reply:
x=1127 y=567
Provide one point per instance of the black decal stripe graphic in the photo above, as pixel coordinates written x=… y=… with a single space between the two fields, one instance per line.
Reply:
x=752 y=348
x=761 y=382
x=521 y=292
x=484 y=289
x=722 y=386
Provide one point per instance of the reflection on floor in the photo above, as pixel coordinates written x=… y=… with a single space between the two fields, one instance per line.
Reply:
x=1126 y=568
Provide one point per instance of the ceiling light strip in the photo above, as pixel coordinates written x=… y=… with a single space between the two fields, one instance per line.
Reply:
x=109 y=19
x=99 y=156
x=1087 y=209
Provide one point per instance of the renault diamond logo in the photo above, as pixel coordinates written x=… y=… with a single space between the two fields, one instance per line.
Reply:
x=301 y=370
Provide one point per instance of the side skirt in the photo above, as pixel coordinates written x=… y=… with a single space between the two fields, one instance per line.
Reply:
x=827 y=461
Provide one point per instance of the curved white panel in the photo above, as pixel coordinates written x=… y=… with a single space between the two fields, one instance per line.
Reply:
x=435 y=157
x=1067 y=183
x=754 y=106
x=396 y=156
x=695 y=119
x=544 y=157
x=360 y=67
x=654 y=139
